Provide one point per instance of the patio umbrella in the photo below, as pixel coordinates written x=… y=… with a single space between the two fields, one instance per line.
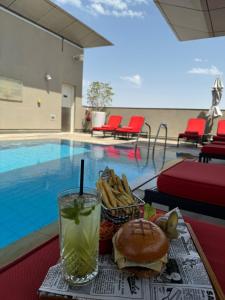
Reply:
x=214 y=111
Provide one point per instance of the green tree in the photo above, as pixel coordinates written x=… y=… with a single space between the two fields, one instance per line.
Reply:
x=99 y=95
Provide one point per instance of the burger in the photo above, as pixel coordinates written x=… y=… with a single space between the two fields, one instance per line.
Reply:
x=140 y=247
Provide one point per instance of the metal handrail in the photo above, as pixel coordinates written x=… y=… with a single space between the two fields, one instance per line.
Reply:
x=149 y=137
x=162 y=125
x=149 y=133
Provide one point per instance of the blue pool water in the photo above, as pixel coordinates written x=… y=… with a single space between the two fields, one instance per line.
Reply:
x=33 y=173
x=15 y=158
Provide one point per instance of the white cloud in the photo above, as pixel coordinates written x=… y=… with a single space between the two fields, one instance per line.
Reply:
x=214 y=71
x=128 y=13
x=200 y=59
x=98 y=9
x=136 y=80
x=116 y=4
x=76 y=3
x=116 y=8
x=136 y=2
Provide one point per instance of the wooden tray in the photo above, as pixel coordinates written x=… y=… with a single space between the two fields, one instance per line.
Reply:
x=217 y=288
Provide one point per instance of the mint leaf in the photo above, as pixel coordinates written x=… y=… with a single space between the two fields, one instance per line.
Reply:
x=149 y=211
x=73 y=213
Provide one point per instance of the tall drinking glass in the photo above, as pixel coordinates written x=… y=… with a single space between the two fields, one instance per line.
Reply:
x=79 y=234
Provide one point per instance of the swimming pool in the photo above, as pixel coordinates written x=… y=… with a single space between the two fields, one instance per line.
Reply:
x=32 y=173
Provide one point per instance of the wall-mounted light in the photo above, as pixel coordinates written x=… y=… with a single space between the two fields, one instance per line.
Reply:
x=48 y=77
x=79 y=57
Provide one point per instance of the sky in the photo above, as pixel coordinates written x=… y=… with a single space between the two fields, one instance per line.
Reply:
x=147 y=66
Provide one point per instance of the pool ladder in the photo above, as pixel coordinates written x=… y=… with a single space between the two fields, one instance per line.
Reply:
x=162 y=125
x=149 y=137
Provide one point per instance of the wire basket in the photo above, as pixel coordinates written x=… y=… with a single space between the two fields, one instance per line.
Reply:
x=123 y=214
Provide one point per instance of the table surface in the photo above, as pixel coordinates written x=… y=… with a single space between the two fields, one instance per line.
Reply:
x=21 y=280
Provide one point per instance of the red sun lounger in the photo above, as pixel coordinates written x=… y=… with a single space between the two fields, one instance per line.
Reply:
x=220 y=135
x=112 y=124
x=194 y=131
x=191 y=186
x=134 y=127
x=213 y=150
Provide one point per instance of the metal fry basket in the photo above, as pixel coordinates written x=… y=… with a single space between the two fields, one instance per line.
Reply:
x=122 y=214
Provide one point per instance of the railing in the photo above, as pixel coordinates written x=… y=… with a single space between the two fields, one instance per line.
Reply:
x=162 y=125
x=149 y=136
x=157 y=170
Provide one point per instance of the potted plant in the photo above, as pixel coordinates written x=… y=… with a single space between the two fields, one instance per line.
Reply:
x=99 y=95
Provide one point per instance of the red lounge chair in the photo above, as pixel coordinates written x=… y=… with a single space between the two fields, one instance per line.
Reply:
x=194 y=131
x=213 y=150
x=111 y=126
x=192 y=186
x=220 y=135
x=134 y=127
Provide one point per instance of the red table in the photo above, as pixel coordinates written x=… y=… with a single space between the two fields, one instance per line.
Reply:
x=21 y=279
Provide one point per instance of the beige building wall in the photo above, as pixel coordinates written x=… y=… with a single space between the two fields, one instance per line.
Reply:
x=176 y=119
x=27 y=53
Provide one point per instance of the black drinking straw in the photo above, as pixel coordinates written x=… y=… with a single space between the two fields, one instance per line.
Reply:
x=81 y=177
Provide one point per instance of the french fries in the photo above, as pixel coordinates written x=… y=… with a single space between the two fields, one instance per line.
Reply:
x=116 y=192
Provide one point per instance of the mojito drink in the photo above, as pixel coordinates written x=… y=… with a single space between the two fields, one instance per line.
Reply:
x=79 y=236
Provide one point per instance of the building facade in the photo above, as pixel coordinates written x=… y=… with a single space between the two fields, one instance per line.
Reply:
x=40 y=70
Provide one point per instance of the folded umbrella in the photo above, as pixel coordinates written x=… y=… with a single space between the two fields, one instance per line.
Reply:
x=214 y=111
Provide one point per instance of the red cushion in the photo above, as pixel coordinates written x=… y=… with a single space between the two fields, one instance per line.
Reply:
x=114 y=121
x=103 y=128
x=125 y=129
x=196 y=181
x=218 y=138
x=210 y=236
x=136 y=123
x=218 y=149
x=134 y=126
x=191 y=133
x=196 y=125
x=221 y=128
x=218 y=142
x=112 y=124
